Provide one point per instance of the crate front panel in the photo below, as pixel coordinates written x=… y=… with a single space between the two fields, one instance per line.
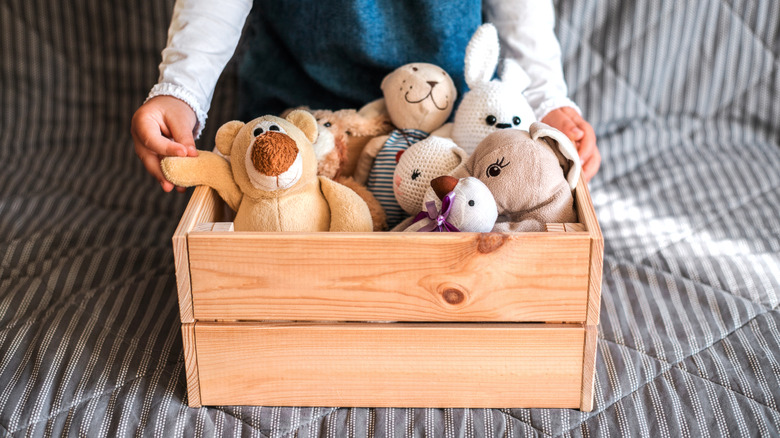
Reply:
x=389 y=276
x=390 y=364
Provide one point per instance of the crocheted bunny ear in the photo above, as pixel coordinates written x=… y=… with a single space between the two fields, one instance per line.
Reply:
x=481 y=56
x=565 y=147
x=513 y=73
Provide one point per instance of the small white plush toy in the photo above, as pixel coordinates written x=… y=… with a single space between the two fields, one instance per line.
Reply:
x=462 y=205
x=490 y=105
x=419 y=165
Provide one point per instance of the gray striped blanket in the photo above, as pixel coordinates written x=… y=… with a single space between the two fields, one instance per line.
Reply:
x=685 y=98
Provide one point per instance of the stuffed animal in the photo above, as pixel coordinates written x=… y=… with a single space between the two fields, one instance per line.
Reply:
x=489 y=105
x=341 y=137
x=271 y=178
x=328 y=166
x=419 y=98
x=352 y=130
x=461 y=205
x=419 y=165
x=343 y=134
x=530 y=174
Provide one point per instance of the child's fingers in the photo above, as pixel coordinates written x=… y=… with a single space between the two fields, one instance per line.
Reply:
x=149 y=134
x=587 y=146
x=591 y=166
x=562 y=121
x=571 y=129
x=183 y=135
x=151 y=162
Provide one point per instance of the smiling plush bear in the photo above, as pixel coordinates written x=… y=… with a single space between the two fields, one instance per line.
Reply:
x=419 y=99
x=271 y=178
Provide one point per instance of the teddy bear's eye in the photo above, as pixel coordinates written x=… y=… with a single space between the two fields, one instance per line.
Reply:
x=327 y=124
x=490 y=120
x=415 y=174
x=257 y=131
x=274 y=128
x=516 y=120
x=495 y=169
x=414 y=68
x=471 y=203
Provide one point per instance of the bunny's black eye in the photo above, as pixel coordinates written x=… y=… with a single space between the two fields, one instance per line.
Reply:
x=471 y=202
x=415 y=174
x=490 y=120
x=257 y=131
x=516 y=120
x=327 y=124
x=274 y=128
x=495 y=169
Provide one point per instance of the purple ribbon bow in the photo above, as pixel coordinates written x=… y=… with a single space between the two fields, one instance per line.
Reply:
x=438 y=219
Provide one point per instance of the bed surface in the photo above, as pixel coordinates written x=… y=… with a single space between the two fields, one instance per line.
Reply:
x=685 y=99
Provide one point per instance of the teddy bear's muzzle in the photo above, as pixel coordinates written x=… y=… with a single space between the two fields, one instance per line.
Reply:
x=274 y=162
x=273 y=153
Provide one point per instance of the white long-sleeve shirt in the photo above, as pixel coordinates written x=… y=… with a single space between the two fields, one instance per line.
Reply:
x=203 y=36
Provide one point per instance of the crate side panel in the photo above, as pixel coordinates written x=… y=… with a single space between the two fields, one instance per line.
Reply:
x=390 y=276
x=587 y=217
x=204 y=206
x=391 y=365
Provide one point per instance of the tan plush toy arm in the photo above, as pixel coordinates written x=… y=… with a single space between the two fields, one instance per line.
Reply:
x=348 y=212
x=366 y=160
x=208 y=169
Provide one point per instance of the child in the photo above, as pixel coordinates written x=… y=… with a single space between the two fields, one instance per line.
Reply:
x=333 y=54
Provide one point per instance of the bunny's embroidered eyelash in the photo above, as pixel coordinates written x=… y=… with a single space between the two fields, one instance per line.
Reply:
x=495 y=169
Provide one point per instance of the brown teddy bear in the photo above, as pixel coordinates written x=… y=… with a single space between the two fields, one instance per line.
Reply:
x=271 y=178
x=351 y=130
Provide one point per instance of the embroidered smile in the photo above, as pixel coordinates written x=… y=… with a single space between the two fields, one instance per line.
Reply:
x=430 y=94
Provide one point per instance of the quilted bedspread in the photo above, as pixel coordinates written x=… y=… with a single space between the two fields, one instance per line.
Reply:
x=685 y=99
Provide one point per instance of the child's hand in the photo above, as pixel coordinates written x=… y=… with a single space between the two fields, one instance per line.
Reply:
x=163 y=127
x=568 y=121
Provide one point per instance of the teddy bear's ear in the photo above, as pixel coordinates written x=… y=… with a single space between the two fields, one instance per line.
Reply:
x=481 y=56
x=561 y=146
x=225 y=136
x=305 y=121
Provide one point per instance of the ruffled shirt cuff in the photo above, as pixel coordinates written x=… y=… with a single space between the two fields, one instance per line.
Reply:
x=554 y=103
x=181 y=93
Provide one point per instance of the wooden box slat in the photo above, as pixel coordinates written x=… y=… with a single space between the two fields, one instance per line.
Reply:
x=391 y=365
x=389 y=276
x=204 y=206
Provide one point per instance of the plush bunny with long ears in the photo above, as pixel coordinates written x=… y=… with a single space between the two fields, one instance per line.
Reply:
x=490 y=104
x=531 y=175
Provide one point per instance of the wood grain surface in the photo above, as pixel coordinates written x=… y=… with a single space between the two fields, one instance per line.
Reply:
x=392 y=364
x=389 y=276
x=204 y=206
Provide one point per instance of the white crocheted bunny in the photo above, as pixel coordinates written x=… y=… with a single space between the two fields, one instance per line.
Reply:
x=419 y=165
x=470 y=208
x=490 y=105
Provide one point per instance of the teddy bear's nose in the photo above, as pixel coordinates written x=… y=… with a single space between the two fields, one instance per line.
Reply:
x=273 y=153
x=432 y=83
x=503 y=125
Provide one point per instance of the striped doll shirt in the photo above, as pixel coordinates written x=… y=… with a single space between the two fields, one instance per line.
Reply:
x=380 y=179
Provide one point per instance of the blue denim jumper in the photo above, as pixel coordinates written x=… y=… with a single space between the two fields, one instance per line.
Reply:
x=333 y=54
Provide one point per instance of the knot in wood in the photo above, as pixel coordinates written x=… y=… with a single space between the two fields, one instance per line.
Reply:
x=489 y=242
x=453 y=296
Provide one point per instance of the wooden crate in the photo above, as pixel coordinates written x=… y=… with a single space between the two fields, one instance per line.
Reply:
x=388 y=319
